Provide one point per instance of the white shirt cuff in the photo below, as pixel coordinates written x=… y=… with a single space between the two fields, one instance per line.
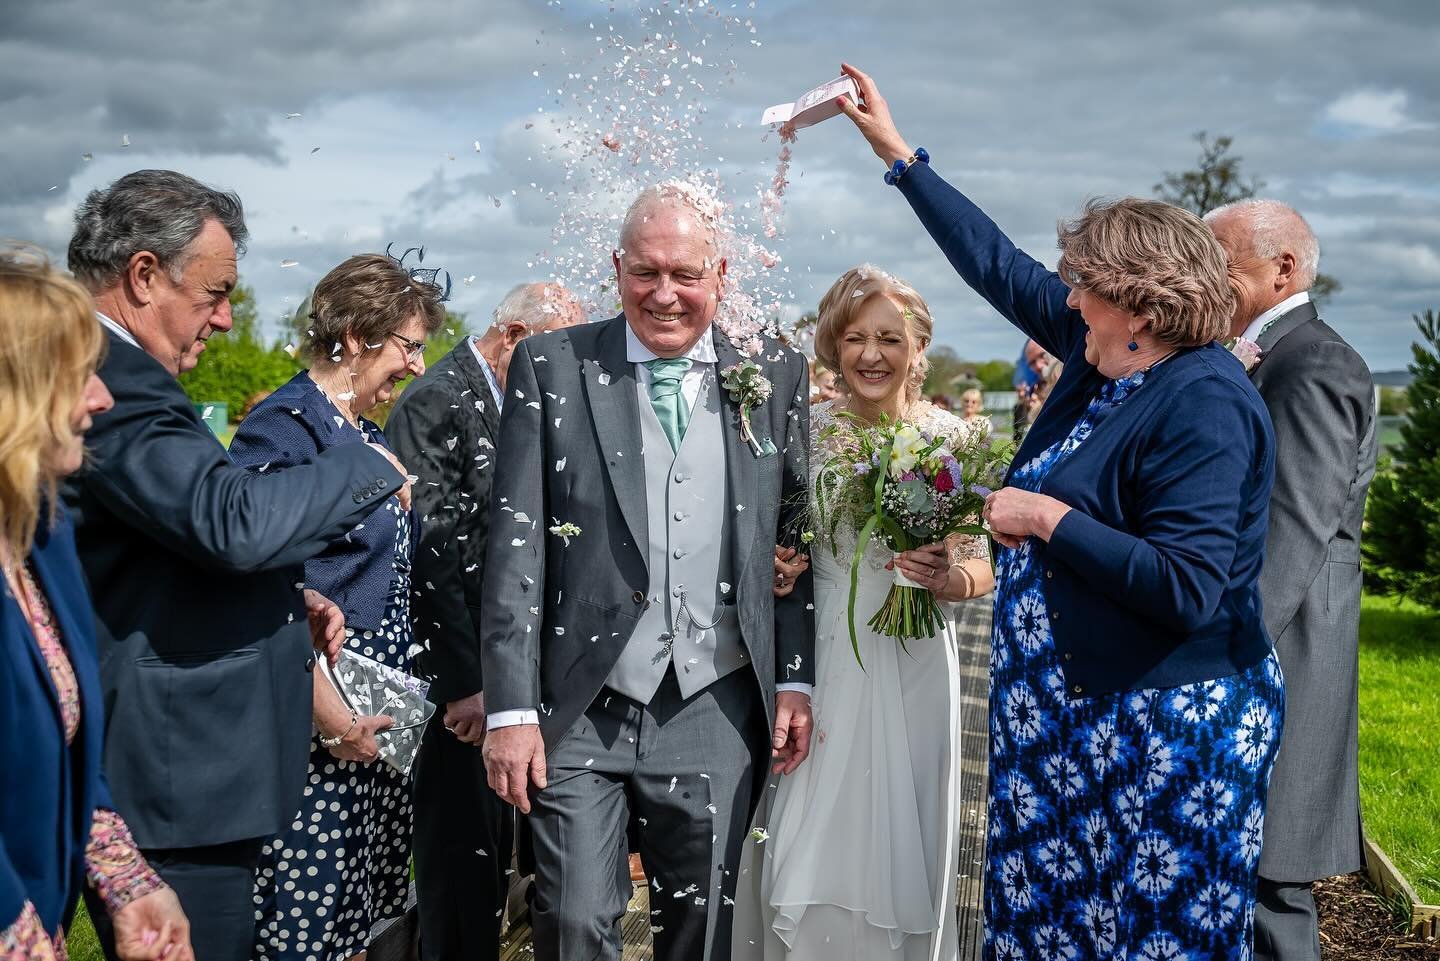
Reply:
x=807 y=689
x=512 y=718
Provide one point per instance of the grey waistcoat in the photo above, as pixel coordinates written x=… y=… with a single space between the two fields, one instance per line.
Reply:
x=692 y=618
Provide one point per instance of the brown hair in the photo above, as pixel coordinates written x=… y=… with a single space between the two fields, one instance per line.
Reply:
x=50 y=344
x=369 y=296
x=843 y=301
x=1154 y=260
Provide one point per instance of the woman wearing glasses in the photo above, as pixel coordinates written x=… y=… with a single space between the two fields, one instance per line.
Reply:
x=344 y=863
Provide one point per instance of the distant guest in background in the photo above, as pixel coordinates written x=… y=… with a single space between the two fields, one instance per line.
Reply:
x=445 y=429
x=194 y=563
x=1029 y=387
x=822 y=383
x=1321 y=400
x=58 y=827
x=972 y=408
x=343 y=862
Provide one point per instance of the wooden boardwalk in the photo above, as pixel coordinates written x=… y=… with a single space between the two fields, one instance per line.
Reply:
x=974 y=750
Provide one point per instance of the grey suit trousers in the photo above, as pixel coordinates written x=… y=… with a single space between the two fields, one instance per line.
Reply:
x=1286 y=925
x=687 y=773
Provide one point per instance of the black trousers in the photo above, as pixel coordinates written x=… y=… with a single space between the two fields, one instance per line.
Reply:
x=463 y=838
x=216 y=887
x=1287 y=927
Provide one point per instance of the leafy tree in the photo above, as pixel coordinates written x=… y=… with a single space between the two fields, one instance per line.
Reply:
x=1402 y=537
x=1216 y=181
x=949 y=373
x=1393 y=402
x=238 y=365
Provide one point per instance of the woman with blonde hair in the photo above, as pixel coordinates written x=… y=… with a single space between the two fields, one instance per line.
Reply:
x=862 y=852
x=1135 y=701
x=58 y=828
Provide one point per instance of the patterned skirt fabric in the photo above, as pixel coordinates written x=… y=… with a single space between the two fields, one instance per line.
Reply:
x=1122 y=827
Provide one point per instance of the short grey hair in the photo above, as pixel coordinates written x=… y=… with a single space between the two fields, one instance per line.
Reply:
x=156 y=210
x=536 y=305
x=1275 y=228
x=677 y=194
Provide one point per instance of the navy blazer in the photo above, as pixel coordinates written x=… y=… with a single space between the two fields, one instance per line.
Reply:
x=51 y=789
x=192 y=563
x=293 y=426
x=1153 y=578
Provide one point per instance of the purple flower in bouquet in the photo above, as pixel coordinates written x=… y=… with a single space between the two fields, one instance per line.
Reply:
x=981 y=489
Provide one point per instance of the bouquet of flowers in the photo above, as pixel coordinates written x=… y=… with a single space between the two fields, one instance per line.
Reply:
x=893 y=481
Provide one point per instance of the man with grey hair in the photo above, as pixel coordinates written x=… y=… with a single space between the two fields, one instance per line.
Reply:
x=1321 y=401
x=204 y=628
x=638 y=667
x=445 y=427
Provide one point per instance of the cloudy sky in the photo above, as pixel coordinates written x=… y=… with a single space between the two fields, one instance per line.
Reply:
x=440 y=122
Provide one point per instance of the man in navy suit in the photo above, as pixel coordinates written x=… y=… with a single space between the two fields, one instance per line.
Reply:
x=195 y=564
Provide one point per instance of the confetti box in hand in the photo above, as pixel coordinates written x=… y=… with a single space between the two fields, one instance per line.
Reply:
x=815 y=106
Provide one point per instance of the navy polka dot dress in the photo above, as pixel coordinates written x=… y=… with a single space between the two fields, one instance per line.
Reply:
x=1122 y=827
x=345 y=862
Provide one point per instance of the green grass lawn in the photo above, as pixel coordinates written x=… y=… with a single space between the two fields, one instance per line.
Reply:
x=1400 y=737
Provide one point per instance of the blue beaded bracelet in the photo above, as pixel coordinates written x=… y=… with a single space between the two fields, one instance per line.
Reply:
x=893 y=175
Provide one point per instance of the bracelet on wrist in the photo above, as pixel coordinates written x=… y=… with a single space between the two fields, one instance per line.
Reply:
x=898 y=168
x=328 y=742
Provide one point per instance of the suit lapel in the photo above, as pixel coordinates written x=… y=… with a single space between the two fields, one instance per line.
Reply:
x=469 y=371
x=742 y=467
x=1286 y=322
x=610 y=392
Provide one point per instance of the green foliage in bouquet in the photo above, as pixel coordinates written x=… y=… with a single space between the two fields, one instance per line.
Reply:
x=890 y=480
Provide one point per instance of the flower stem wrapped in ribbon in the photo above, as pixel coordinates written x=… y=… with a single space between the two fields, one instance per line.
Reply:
x=894 y=482
x=750 y=388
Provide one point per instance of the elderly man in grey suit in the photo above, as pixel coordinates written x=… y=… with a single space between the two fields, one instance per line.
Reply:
x=636 y=663
x=1321 y=400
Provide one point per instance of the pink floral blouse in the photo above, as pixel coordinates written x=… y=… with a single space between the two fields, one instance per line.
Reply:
x=114 y=866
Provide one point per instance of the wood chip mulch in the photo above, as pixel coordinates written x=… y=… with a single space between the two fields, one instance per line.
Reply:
x=1356 y=924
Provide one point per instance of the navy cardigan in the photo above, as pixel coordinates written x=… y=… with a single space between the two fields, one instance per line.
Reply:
x=51 y=790
x=292 y=426
x=1153 y=578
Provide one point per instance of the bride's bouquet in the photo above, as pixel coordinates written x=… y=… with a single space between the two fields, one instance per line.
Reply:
x=895 y=482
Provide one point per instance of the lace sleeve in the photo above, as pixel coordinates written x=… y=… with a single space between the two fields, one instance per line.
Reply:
x=114 y=865
x=26 y=939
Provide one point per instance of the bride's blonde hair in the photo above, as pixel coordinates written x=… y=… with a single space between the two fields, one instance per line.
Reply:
x=843 y=301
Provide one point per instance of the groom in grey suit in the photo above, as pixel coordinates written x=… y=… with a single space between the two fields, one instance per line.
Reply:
x=638 y=669
x=1321 y=400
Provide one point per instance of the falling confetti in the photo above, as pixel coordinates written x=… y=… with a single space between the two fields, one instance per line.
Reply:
x=289 y=263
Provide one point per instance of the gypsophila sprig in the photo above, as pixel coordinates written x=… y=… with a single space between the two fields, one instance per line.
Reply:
x=894 y=482
x=565 y=531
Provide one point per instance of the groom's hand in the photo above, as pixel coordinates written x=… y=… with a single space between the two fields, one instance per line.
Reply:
x=791 y=737
x=514 y=758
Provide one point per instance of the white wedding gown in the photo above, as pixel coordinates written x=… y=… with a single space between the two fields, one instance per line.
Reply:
x=860 y=862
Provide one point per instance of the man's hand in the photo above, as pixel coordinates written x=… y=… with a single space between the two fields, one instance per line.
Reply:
x=514 y=759
x=327 y=625
x=789 y=565
x=404 y=492
x=153 y=927
x=465 y=718
x=791 y=738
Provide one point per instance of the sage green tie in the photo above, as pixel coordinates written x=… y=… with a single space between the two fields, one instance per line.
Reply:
x=666 y=373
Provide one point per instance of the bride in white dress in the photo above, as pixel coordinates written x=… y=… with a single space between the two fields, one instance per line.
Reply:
x=855 y=855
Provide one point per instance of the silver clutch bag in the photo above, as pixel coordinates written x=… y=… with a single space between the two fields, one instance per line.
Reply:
x=369 y=687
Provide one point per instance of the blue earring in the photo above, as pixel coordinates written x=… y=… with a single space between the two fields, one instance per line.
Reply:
x=1132 y=346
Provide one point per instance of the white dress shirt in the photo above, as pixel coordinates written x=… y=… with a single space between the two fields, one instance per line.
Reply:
x=489 y=372
x=119 y=331
x=1258 y=325
x=701 y=353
